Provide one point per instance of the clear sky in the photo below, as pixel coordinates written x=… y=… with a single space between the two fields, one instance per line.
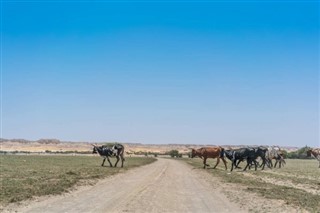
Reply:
x=207 y=72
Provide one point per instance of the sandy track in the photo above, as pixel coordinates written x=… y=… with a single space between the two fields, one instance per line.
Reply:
x=164 y=186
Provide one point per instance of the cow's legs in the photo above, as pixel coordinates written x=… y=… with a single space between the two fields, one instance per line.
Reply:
x=253 y=162
x=233 y=164
x=248 y=163
x=204 y=162
x=225 y=162
x=237 y=164
x=278 y=161
x=269 y=163
x=109 y=161
x=218 y=161
x=263 y=163
x=117 y=161
x=104 y=159
x=283 y=162
x=122 y=159
x=255 y=165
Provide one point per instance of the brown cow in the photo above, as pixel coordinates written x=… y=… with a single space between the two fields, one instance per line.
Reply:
x=315 y=153
x=209 y=152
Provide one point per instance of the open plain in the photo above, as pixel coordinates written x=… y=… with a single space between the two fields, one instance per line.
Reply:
x=167 y=185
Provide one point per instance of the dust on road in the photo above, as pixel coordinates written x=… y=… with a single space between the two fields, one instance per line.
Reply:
x=164 y=186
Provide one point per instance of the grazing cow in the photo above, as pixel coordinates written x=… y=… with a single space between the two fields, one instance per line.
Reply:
x=314 y=153
x=105 y=152
x=209 y=152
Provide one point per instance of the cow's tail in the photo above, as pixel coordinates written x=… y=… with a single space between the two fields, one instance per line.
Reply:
x=222 y=153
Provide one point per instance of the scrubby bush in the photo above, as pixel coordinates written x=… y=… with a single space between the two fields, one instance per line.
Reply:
x=174 y=153
x=299 y=154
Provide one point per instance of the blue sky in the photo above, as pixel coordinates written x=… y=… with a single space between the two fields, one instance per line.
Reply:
x=212 y=72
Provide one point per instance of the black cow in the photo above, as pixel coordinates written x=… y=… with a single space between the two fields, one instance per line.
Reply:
x=240 y=155
x=261 y=152
x=229 y=155
x=250 y=154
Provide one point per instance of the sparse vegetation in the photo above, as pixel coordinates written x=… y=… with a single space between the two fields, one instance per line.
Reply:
x=303 y=172
x=299 y=154
x=25 y=176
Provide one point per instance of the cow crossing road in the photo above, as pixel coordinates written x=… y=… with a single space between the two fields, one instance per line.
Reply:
x=164 y=186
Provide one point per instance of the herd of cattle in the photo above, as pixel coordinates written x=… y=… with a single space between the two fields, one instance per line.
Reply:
x=254 y=156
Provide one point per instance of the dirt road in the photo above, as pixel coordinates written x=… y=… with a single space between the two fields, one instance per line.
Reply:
x=164 y=186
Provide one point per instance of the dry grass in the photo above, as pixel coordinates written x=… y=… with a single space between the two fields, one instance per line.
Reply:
x=297 y=184
x=24 y=176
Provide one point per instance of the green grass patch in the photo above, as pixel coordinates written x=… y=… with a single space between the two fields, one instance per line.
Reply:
x=297 y=170
x=25 y=176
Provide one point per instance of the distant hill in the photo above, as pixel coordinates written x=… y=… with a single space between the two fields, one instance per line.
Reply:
x=55 y=145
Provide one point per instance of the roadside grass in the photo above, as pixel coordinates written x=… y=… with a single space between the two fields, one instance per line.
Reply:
x=25 y=176
x=300 y=168
x=294 y=179
x=255 y=184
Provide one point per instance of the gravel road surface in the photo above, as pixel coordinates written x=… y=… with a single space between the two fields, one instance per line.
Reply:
x=167 y=185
